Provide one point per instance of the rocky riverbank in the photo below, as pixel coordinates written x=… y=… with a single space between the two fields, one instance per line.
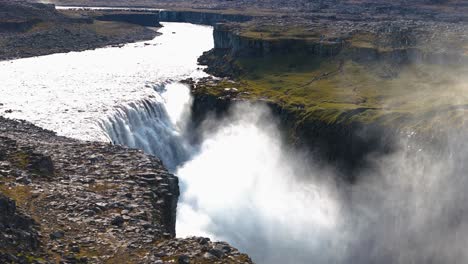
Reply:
x=33 y=29
x=83 y=202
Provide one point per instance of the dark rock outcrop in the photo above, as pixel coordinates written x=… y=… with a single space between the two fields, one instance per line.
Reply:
x=343 y=145
x=204 y=18
x=93 y=202
x=18 y=232
x=237 y=45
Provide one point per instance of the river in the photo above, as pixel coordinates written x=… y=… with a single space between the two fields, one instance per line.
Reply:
x=241 y=183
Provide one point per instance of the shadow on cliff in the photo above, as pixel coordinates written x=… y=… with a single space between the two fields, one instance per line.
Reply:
x=247 y=187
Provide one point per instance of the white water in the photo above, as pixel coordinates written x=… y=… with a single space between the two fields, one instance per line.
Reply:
x=96 y=8
x=242 y=185
x=154 y=125
x=70 y=93
x=130 y=96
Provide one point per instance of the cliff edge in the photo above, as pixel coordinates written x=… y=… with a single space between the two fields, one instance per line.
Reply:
x=64 y=200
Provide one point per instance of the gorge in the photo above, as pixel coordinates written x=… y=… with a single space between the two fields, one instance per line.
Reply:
x=284 y=182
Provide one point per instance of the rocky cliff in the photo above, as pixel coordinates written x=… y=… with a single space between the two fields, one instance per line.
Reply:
x=342 y=87
x=84 y=202
x=200 y=17
x=345 y=146
x=227 y=39
x=407 y=41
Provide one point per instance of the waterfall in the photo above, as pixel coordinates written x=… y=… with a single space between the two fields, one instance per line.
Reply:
x=244 y=186
x=240 y=169
x=154 y=124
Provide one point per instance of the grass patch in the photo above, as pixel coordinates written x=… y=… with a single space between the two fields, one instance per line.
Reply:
x=20 y=194
x=274 y=32
x=342 y=90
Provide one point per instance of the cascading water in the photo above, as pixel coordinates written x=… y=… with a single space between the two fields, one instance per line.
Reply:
x=244 y=187
x=70 y=93
x=241 y=184
x=154 y=124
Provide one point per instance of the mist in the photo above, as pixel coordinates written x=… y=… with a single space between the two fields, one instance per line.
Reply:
x=247 y=187
x=244 y=187
x=243 y=184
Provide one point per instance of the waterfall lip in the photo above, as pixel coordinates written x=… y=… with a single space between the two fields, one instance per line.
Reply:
x=151 y=124
x=70 y=93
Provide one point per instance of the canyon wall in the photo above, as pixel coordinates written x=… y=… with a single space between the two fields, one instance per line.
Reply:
x=237 y=45
x=342 y=145
x=203 y=18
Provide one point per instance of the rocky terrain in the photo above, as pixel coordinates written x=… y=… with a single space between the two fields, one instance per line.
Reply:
x=344 y=77
x=68 y=201
x=352 y=8
x=32 y=29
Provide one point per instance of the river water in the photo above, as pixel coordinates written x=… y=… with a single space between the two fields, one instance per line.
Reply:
x=131 y=96
x=70 y=93
x=242 y=184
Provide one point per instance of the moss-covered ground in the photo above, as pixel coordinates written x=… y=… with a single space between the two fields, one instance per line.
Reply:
x=414 y=96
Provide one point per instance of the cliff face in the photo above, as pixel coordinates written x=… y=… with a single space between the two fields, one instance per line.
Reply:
x=340 y=88
x=229 y=41
x=345 y=146
x=238 y=45
x=92 y=203
x=203 y=18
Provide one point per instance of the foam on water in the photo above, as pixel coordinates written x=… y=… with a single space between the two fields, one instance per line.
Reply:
x=242 y=184
x=70 y=93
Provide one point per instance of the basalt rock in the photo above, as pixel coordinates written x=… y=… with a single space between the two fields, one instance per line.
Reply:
x=204 y=18
x=225 y=38
x=344 y=145
x=18 y=232
x=91 y=202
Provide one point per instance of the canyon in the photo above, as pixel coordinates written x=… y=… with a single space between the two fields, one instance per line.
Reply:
x=325 y=137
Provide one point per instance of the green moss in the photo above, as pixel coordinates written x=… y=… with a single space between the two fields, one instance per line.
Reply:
x=33 y=259
x=274 y=32
x=342 y=90
x=21 y=160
